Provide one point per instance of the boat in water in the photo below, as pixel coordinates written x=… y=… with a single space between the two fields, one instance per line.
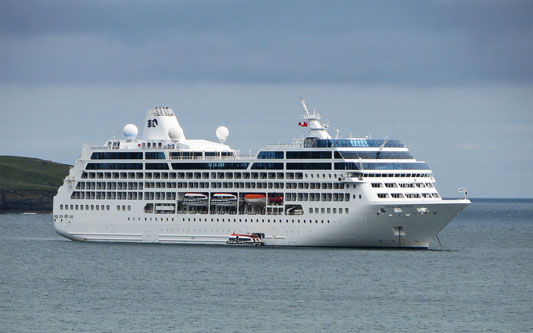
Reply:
x=316 y=191
x=254 y=239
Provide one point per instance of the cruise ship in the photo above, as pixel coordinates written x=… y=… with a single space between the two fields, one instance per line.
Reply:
x=316 y=191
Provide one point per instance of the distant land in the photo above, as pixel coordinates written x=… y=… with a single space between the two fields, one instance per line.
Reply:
x=29 y=184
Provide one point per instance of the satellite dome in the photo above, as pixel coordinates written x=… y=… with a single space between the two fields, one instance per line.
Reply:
x=130 y=131
x=222 y=133
x=176 y=133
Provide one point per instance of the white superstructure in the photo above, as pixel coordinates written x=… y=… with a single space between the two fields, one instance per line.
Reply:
x=317 y=191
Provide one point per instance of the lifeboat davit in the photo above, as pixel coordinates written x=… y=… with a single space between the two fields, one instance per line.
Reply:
x=255 y=199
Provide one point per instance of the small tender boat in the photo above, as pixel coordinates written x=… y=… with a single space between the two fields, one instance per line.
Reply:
x=224 y=199
x=254 y=239
x=255 y=199
x=195 y=199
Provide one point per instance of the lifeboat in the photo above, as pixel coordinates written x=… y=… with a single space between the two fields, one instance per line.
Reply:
x=255 y=199
x=195 y=199
x=224 y=200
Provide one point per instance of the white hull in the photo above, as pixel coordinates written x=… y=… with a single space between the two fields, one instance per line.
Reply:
x=362 y=228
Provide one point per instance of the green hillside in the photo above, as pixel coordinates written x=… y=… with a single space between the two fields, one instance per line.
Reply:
x=29 y=184
x=26 y=173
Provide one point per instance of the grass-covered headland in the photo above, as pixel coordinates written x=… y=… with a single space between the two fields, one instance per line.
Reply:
x=29 y=184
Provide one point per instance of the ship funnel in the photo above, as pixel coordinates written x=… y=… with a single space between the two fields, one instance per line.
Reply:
x=162 y=124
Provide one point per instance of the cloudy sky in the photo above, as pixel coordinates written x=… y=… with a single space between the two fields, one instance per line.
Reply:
x=451 y=79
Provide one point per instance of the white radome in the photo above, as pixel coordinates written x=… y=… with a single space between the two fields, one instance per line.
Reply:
x=176 y=133
x=222 y=133
x=130 y=131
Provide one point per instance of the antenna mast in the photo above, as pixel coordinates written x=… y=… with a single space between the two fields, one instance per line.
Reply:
x=302 y=101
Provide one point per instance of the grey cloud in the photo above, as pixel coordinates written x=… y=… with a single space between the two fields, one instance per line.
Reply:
x=355 y=42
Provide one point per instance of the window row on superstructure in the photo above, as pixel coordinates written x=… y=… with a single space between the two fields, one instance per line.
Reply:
x=320 y=154
x=199 y=155
x=408 y=195
x=121 y=195
x=331 y=143
x=388 y=175
x=240 y=175
x=403 y=185
x=260 y=166
x=88 y=185
x=157 y=155
x=195 y=175
x=380 y=166
x=373 y=155
x=92 y=207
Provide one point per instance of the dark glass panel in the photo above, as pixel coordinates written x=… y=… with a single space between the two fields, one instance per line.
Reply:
x=380 y=166
x=327 y=143
x=210 y=166
x=155 y=155
x=270 y=155
x=186 y=154
x=373 y=155
x=114 y=166
x=308 y=154
x=116 y=156
x=308 y=166
x=269 y=166
x=156 y=166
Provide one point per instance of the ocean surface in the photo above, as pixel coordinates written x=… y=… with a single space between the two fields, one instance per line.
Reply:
x=479 y=280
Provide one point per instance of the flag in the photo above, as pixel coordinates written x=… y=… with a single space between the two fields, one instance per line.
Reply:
x=303 y=124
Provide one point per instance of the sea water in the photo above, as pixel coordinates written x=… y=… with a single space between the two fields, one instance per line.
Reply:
x=480 y=279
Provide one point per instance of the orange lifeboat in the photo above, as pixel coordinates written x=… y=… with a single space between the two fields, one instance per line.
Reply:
x=255 y=199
